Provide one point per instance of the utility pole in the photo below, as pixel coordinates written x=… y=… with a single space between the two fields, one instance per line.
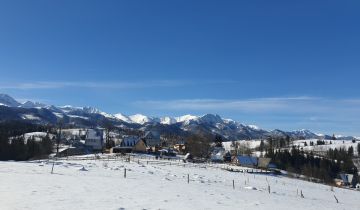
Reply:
x=57 y=145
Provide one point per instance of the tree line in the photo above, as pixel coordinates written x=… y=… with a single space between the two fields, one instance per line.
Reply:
x=323 y=168
x=13 y=145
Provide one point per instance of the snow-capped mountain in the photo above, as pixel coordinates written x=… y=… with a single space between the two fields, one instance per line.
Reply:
x=211 y=119
x=142 y=119
x=255 y=127
x=167 y=120
x=342 y=137
x=303 y=133
x=30 y=104
x=7 y=100
x=212 y=124
x=123 y=117
x=186 y=118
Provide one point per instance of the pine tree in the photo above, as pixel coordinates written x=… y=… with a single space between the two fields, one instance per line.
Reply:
x=218 y=141
x=351 y=151
x=262 y=145
x=287 y=139
x=198 y=145
x=4 y=148
x=270 y=152
x=46 y=145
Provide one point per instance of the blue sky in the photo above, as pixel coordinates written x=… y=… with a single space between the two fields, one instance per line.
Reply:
x=277 y=64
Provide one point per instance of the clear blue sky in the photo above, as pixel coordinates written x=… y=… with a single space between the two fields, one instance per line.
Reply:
x=278 y=64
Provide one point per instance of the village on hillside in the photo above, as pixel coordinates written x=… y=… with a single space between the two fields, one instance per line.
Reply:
x=252 y=154
x=129 y=176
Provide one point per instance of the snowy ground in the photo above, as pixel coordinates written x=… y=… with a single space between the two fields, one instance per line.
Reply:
x=251 y=144
x=100 y=184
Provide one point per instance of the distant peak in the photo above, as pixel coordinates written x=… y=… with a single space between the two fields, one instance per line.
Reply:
x=8 y=100
x=139 y=118
x=186 y=118
x=31 y=104
x=255 y=127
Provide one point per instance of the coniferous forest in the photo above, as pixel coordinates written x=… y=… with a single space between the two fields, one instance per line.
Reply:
x=13 y=145
x=323 y=168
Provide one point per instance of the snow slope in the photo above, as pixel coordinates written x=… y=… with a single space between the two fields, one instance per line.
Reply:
x=123 y=117
x=140 y=119
x=100 y=184
x=186 y=118
x=167 y=120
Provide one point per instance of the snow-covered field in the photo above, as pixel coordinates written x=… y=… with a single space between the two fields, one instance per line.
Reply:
x=251 y=144
x=100 y=184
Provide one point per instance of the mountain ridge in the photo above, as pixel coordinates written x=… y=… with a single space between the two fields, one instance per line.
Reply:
x=89 y=116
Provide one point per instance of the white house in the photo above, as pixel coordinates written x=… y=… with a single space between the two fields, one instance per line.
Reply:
x=94 y=138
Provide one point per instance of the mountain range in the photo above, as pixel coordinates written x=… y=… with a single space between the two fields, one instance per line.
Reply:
x=11 y=109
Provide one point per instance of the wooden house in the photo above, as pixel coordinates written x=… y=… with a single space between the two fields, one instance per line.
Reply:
x=130 y=144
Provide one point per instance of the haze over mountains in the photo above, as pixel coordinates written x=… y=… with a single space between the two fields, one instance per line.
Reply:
x=35 y=112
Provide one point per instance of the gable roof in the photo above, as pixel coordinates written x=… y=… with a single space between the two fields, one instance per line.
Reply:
x=152 y=135
x=247 y=160
x=129 y=141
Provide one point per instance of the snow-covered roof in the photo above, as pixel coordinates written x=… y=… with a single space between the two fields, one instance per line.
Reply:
x=129 y=141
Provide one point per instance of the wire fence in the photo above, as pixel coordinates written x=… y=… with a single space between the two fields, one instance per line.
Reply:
x=249 y=173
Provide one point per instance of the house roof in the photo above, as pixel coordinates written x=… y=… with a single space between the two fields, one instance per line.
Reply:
x=152 y=135
x=129 y=141
x=152 y=138
x=272 y=165
x=247 y=160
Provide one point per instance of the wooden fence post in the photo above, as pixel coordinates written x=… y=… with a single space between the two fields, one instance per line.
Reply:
x=124 y=172
x=52 y=169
